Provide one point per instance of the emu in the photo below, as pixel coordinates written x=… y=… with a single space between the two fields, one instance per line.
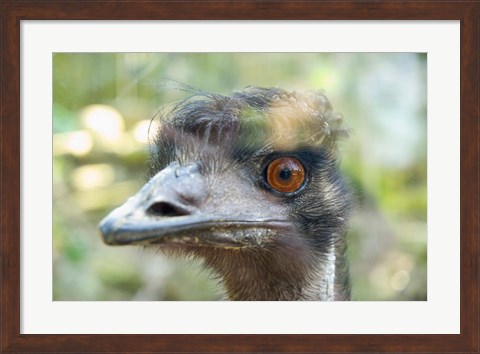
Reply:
x=250 y=184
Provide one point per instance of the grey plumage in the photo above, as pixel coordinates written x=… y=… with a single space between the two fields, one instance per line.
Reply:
x=209 y=195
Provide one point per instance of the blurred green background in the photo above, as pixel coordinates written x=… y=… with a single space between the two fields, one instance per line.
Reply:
x=102 y=107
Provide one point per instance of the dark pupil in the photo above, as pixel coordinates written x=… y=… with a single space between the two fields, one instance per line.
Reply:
x=285 y=174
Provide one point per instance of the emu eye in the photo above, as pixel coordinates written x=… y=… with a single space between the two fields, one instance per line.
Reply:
x=285 y=174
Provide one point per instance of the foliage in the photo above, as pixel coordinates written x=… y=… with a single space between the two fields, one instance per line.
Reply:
x=104 y=104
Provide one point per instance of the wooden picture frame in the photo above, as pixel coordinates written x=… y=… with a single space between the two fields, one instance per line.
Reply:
x=13 y=12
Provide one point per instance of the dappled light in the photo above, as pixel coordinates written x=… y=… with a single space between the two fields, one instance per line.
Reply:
x=103 y=124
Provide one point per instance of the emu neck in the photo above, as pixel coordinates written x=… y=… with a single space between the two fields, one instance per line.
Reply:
x=273 y=275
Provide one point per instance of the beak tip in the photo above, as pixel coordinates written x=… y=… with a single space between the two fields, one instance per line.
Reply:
x=107 y=231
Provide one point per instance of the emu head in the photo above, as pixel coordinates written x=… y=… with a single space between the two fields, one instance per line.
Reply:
x=250 y=184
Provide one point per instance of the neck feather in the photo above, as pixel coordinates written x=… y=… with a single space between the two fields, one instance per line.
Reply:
x=280 y=274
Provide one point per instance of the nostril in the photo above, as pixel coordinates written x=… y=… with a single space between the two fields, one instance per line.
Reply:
x=165 y=209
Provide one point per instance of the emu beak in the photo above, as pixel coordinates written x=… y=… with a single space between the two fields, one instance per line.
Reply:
x=166 y=207
x=169 y=209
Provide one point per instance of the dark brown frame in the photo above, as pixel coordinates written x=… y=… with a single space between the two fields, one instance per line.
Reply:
x=13 y=12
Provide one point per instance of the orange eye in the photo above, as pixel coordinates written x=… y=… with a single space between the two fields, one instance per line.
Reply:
x=285 y=174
